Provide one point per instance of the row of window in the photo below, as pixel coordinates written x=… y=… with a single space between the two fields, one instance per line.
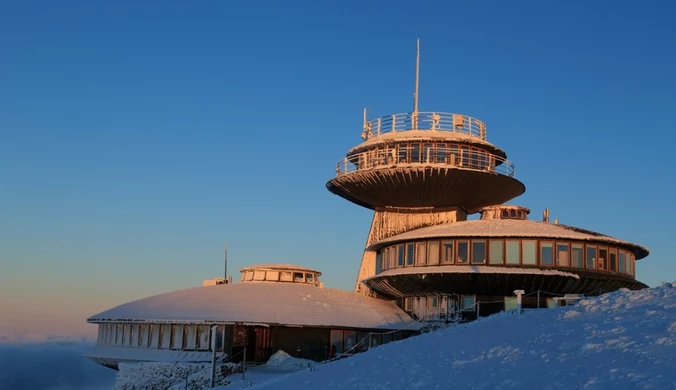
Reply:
x=547 y=253
x=466 y=302
x=459 y=155
x=161 y=336
x=280 y=276
x=345 y=341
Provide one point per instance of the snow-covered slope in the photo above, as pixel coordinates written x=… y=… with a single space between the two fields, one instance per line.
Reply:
x=622 y=340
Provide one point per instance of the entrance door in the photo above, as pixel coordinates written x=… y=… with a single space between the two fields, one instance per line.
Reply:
x=262 y=344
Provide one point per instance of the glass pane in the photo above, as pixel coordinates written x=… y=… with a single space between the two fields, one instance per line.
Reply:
x=203 y=337
x=478 y=252
x=219 y=338
x=546 y=253
x=530 y=252
x=447 y=252
x=613 y=259
x=415 y=153
x=591 y=257
x=410 y=254
x=402 y=253
x=421 y=253
x=336 y=343
x=513 y=252
x=603 y=257
x=134 y=335
x=350 y=340
x=576 y=253
x=120 y=334
x=433 y=252
x=562 y=259
x=379 y=265
x=272 y=276
x=286 y=276
x=177 y=337
x=510 y=304
x=468 y=303
x=463 y=252
x=112 y=332
x=154 y=336
x=496 y=251
x=165 y=336
x=309 y=278
x=298 y=277
x=386 y=338
x=189 y=334
x=622 y=261
x=145 y=335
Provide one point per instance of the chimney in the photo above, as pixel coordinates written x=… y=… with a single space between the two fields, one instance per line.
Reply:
x=556 y=222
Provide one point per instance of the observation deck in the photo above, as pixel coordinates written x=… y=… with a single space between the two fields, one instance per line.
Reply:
x=425 y=159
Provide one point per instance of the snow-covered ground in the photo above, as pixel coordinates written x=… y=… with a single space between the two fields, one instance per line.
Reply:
x=621 y=340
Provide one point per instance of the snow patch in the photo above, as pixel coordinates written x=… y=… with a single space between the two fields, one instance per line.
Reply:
x=284 y=361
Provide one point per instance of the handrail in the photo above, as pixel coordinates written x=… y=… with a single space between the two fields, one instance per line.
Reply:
x=449 y=156
x=438 y=121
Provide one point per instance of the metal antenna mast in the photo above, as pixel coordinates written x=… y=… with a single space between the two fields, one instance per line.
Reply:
x=417 y=84
x=225 y=275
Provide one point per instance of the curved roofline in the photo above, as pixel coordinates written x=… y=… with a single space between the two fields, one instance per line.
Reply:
x=278 y=266
x=427 y=135
x=509 y=229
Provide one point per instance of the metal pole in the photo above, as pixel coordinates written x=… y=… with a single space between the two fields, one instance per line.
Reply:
x=244 y=365
x=213 y=356
x=417 y=81
x=538 y=299
x=225 y=273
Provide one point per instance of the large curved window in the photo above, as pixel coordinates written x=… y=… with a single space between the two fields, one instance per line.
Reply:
x=507 y=252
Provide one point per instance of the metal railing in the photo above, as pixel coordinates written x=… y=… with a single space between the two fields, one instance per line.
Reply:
x=448 y=156
x=439 y=121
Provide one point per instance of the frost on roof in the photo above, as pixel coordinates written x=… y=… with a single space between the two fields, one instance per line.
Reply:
x=264 y=303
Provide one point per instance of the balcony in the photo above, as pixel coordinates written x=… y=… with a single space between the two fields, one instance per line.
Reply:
x=434 y=121
x=435 y=155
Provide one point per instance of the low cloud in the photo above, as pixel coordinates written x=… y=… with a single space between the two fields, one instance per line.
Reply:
x=52 y=365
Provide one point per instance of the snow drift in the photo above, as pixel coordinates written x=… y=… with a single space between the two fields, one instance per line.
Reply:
x=625 y=339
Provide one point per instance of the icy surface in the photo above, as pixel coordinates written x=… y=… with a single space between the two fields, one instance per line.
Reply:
x=621 y=340
x=265 y=303
x=284 y=361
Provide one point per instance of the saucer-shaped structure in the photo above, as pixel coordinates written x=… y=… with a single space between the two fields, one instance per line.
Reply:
x=275 y=307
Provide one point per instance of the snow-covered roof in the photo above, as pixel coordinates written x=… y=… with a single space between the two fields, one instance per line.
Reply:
x=509 y=228
x=473 y=269
x=279 y=266
x=264 y=303
x=431 y=135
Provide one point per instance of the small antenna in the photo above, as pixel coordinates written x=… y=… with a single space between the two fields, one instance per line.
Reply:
x=225 y=274
x=417 y=84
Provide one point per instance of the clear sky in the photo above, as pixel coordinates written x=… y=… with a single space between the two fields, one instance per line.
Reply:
x=137 y=137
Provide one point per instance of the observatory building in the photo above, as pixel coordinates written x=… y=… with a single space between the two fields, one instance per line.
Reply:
x=274 y=307
x=423 y=173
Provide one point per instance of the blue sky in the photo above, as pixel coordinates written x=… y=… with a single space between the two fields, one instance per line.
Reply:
x=137 y=137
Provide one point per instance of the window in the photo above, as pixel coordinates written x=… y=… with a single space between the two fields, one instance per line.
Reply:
x=127 y=335
x=112 y=331
x=120 y=334
x=402 y=254
x=249 y=275
x=386 y=338
x=591 y=257
x=421 y=253
x=447 y=255
x=379 y=262
x=154 y=336
x=298 y=277
x=576 y=255
x=513 y=252
x=562 y=259
x=546 y=253
x=177 y=337
x=190 y=336
x=463 y=252
x=428 y=153
x=433 y=253
x=165 y=336
x=203 y=333
x=259 y=275
x=410 y=254
x=622 y=265
x=512 y=214
x=350 y=340
x=286 y=276
x=613 y=259
x=603 y=256
x=496 y=251
x=478 y=252
x=530 y=252
x=468 y=302
x=415 y=153
x=219 y=338
x=272 y=276
x=309 y=278
x=134 y=335
x=336 y=341
x=441 y=153
x=504 y=214
x=433 y=302
x=408 y=304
